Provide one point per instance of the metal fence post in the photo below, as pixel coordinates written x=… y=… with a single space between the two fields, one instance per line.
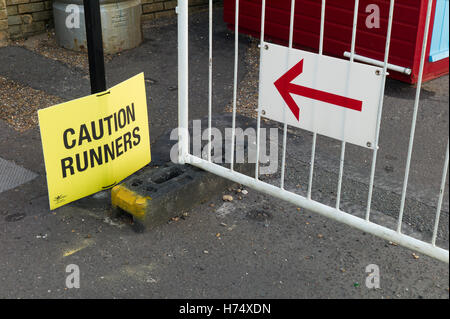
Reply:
x=293 y=197
x=183 y=81
x=95 y=45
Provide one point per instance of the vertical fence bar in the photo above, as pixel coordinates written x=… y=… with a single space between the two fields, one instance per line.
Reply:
x=341 y=173
x=414 y=119
x=441 y=196
x=236 y=61
x=183 y=81
x=210 y=77
x=380 y=108
x=314 y=140
x=291 y=43
x=258 y=122
x=322 y=26
x=352 y=57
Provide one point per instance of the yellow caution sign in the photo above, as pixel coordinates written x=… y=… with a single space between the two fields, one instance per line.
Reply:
x=92 y=143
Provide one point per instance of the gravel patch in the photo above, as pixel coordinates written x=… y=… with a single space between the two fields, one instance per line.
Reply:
x=19 y=104
x=45 y=45
x=247 y=100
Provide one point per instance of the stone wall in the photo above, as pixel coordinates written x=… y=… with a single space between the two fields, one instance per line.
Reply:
x=3 y=23
x=23 y=18
x=28 y=17
x=152 y=9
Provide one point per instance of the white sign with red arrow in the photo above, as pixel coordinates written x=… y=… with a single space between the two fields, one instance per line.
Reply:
x=322 y=94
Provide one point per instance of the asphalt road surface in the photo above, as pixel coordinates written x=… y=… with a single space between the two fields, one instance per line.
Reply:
x=256 y=247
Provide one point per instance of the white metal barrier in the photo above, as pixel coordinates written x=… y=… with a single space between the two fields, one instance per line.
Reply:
x=363 y=224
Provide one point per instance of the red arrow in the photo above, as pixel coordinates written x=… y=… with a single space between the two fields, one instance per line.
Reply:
x=285 y=86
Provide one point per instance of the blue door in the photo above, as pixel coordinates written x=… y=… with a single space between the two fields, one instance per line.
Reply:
x=439 y=40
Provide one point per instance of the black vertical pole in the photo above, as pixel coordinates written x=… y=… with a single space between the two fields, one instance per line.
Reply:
x=95 y=45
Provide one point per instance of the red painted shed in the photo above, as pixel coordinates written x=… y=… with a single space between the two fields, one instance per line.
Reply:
x=407 y=31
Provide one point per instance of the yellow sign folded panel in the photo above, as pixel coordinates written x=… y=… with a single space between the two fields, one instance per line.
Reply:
x=92 y=143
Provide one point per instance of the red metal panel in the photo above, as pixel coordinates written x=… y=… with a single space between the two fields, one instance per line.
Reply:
x=407 y=33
